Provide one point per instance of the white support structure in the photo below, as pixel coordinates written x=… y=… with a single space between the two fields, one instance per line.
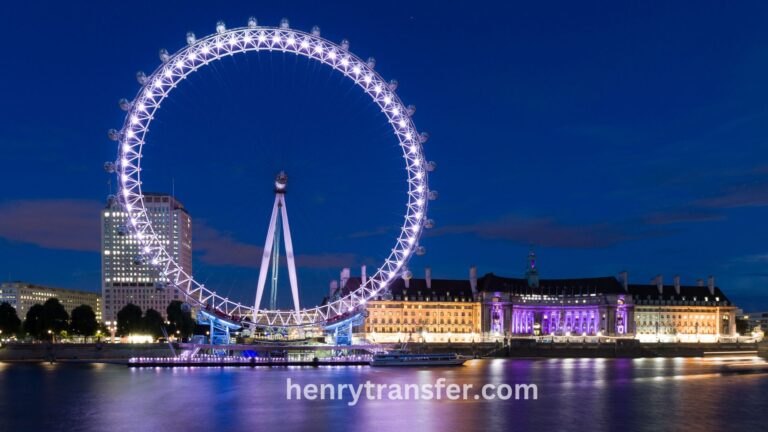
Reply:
x=279 y=207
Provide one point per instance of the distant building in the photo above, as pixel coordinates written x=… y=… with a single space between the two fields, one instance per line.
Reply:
x=758 y=319
x=125 y=279
x=22 y=296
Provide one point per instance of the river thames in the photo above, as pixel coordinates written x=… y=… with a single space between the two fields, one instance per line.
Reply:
x=573 y=394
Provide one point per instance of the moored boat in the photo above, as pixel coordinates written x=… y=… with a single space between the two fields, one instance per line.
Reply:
x=403 y=358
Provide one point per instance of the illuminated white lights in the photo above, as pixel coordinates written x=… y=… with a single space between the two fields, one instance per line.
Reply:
x=254 y=38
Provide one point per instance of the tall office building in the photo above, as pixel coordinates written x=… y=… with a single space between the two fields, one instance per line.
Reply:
x=124 y=281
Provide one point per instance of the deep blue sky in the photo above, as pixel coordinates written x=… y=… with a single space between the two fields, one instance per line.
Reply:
x=612 y=136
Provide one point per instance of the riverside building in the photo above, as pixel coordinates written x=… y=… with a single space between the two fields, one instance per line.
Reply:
x=126 y=276
x=22 y=296
x=493 y=307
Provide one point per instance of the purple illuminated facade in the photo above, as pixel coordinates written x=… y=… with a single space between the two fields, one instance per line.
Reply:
x=588 y=306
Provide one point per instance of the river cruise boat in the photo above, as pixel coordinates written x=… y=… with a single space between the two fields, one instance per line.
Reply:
x=403 y=358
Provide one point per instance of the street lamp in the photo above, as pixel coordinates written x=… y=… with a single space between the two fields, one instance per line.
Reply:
x=50 y=334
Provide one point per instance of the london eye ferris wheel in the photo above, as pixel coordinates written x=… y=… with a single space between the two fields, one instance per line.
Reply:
x=198 y=53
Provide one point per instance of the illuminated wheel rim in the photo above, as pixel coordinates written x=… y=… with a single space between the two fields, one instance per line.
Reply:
x=175 y=67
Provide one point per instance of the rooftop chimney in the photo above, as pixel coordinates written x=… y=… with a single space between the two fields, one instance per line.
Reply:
x=624 y=276
x=363 y=275
x=344 y=277
x=334 y=287
x=711 y=284
x=428 y=277
x=659 y=281
x=677 y=284
x=473 y=280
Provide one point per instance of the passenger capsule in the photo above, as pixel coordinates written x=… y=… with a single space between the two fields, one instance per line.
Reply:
x=407 y=275
x=315 y=30
x=285 y=24
x=431 y=166
x=345 y=44
x=113 y=134
x=393 y=85
x=411 y=110
x=421 y=250
x=109 y=167
x=387 y=295
x=122 y=230
x=423 y=137
x=429 y=223
x=252 y=22
x=124 y=104
x=191 y=38
x=164 y=55
x=160 y=286
x=186 y=308
x=111 y=199
x=139 y=260
x=433 y=195
x=220 y=27
x=371 y=62
x=141 y=77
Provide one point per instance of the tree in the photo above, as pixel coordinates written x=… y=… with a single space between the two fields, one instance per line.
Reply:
x=180 y=318
x=9 y=320
x=129 y=319
x=152 y=323
x=33 y=323
x=55 y=317
x=84 y=321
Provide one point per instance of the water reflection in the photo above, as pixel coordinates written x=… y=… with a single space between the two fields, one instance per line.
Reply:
x=597 y=394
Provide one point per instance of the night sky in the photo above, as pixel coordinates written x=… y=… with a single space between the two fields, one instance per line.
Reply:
x=611 y=136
